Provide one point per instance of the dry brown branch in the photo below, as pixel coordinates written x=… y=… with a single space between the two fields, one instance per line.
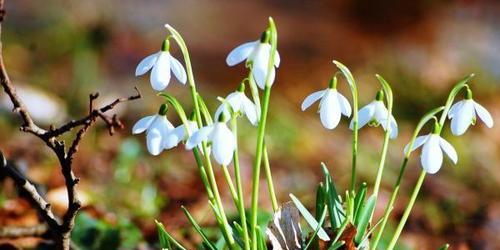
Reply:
x=60 y=229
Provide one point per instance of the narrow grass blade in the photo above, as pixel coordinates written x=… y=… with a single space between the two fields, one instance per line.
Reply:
x=198 y=229
x=364 y=219
x=309 y=218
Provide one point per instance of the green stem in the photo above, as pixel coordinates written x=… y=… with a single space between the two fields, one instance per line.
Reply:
x=427 y=117
x=194 y=96
x=227 y=232
x=239 y=186
x=269 y=178
x=230 y=183
x=354 y=91
x=407 y=211
x=256 y=167
x=260 y=136
x=381 y=164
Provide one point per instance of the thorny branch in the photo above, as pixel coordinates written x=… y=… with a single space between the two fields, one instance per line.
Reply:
x=61 y=229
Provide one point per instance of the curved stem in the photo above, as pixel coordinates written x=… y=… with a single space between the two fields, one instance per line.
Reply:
x=194 y=96
x=239 y=187
x=427 y=117
x=407 y=211
x=354 y=91
x=231 y=186
x=269 y=178
x=260 y=136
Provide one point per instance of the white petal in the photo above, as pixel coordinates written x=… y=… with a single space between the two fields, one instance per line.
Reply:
x=143 y=124
x=345 y=107
x=250 y=110
x=454 y=109
x=234 y=99
x=394 y=128
x=381 y=112
x=312 y=98
x=462 y=119
x=174 y=137
x=241 y=53
x=277 y=59
x=146 y=64
x=223 y=144
x=260 y=63
x=198 y=136
x=417 y=143
x=365 y=114
x=432 y=156
x=484 y=115
x=160 y=76
x=329 y=110
x=178 y=70
x=449 y=150
x=156 y=133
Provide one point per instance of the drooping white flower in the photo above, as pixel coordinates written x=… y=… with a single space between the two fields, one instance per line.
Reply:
x=431 y=157
x=331 y=107
x=222 y=139
x=239 y=102
x=179 y=134
x=375 y=113
x=463 y=114
x=258 y=53
x=161 y=63
x=157 y=128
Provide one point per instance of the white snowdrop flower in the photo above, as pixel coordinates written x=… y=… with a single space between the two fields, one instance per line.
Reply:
x=431 y=157
x=257 y=53
x=463 y=114
x=374 y=114
x=239 y=102
x=222 y=139
x=331 y=107
x=157 y=128
x=179 y=134
x=161 y=64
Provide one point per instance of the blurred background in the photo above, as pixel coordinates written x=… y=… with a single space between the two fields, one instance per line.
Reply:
x=57 y=52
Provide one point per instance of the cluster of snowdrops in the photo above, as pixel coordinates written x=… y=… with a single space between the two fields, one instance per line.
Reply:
x=206 y=135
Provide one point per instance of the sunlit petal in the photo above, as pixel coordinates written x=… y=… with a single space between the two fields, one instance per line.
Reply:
x=241 y=53
x=178 y=70
x=143 y=124
x=365 y=114
x=160 y=76
x=146 y=64
x=462 y=119
x=432 y=156
x=312 y=98
x=484 y=115
x=449 y=150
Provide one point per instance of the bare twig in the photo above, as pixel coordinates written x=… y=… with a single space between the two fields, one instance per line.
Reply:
x=60 y=229
x=20 y=232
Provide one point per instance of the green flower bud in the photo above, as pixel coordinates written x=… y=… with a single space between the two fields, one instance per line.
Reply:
x=380 y=95
x=163 y=109
x=333 y=83
x=165 y=46
x=241 y=88
x=265 y=37
x=468 y=94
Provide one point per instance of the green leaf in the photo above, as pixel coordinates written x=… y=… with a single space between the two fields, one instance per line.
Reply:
x=309 y=218
x=346 y=72
x=358 y=202
x=198 y=229
x=332 y=199
x=364 y=219
x=166 y=240
x=319 y=227
x=320 y=201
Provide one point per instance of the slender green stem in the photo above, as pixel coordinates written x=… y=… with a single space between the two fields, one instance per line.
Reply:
x=227 y=232
x=256 y=167
x=381 y=164
x=260 y=135
x=427 y=117
x=194 y=95
x=239 y=187
x=354 y=91
x=269 y=178
x=407 y=211
x=230 y=183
